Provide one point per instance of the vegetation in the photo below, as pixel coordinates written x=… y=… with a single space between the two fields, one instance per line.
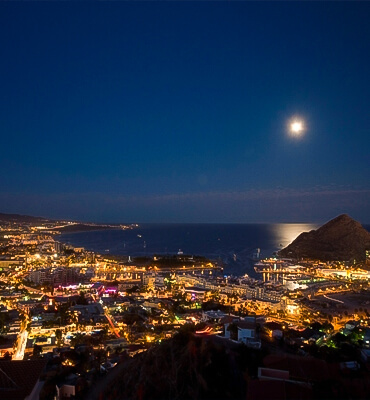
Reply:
x=196 y=368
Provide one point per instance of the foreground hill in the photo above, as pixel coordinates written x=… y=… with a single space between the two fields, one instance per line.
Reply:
x=342 y=238
x=213 y=368
x=184 y=367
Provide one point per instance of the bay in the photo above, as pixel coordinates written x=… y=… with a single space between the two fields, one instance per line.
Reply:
x=233 y=245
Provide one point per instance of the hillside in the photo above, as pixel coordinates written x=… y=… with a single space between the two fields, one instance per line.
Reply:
x=184 y=367
x=213 y=368
x=22 y=218
x=62 y=227
x=81 y=227
x=342 y=239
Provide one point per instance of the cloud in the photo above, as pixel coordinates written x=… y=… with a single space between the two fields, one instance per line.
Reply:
x=314 y=204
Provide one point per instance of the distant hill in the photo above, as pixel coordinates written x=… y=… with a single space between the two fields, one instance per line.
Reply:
x=22 y=218
x=341 y=239
x=80 y=227
x=63 y=228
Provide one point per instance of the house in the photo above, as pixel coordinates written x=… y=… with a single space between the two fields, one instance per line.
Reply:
x=65 y=391
x=367 y=338
x=227 y=321
x=350 y=325
x=275 y=374
x=246 y=330
x=278 y=389
x=7 y=344
x=68 y=389
x=349 y=366
x=365 y=355
x=311 y=335
x=196 y=293
x=47 y=342
x=241 y=330
x=114 y=344
x=304 y=369
x=274 y=329
x=213 y=316
x=90 y=311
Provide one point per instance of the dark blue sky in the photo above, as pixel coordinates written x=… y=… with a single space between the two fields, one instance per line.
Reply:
x=177 y=111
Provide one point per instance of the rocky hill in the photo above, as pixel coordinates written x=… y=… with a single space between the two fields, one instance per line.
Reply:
x=342 y=239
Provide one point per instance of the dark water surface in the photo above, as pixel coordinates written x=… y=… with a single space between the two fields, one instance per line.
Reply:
x=232 y=244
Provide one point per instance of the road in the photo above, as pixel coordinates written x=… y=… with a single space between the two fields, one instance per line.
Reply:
x=31 y=289
x=21 y=345
x=113 y=328
x=330 y=298
x=109 y=319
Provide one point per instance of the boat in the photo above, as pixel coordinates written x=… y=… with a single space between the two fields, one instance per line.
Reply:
x=256 y=254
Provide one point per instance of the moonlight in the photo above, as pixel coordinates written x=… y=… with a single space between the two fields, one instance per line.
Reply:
x=296 y=127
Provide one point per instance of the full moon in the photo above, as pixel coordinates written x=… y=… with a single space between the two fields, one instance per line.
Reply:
x=296 y=127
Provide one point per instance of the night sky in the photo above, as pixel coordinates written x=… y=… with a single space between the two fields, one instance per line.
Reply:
x=178 y=111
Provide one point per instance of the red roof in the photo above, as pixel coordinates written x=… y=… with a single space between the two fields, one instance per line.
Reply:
x=273 y=373
x=18 y=378
x=278 y=390
x=300 y=368
x=228 y=319
x=246 y=325
x=272 y=325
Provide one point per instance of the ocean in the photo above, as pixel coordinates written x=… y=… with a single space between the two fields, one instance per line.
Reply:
x=233 y=245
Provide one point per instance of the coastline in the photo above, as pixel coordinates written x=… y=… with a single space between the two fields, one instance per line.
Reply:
x=231 y=245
